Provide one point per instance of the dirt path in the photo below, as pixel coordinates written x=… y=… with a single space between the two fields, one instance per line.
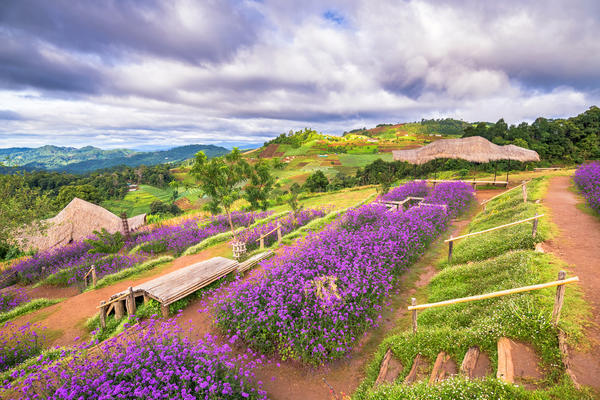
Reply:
x=66 y=320
x=579 y=245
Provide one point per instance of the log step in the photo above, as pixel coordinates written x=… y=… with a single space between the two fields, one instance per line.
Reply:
x=518 y=363
x=443 y=368
x=390 y=368
x=475 y=364
x=419 y=370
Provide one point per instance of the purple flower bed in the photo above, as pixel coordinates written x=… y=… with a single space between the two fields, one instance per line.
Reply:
x=587 y=178
x=10 y=299
x=159 y=362
x=48 y=262
x=105 y=264
x=288 y=223
x=17 y=345
x=456 y=195
x=318 y=297
x=177 y=238
x=410 y=189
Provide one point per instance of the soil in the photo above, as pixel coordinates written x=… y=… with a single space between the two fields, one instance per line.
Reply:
x=578 y=243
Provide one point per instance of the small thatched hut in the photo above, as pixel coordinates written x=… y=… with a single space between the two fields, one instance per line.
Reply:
x=78 y=220
x=474 y=149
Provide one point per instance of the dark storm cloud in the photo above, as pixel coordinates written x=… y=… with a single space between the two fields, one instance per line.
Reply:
x=114 y=28
x=24 y=64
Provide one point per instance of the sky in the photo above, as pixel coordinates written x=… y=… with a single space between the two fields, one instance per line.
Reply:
x=156 y=74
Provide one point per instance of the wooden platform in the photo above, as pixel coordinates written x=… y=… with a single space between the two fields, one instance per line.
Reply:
x=169 y=288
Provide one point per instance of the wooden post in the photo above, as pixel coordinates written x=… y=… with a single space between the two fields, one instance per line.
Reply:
x=495 y=170
x=130 y=302
x=146 y=298
x=535 y=224
x=165 y=310
x=94 y=276
x=278 y=234
x=413 y=302
x=102 y=314
x=524 y=187
x=119 y=309
x=560 y=297
x=450 y=246
x=262 y=243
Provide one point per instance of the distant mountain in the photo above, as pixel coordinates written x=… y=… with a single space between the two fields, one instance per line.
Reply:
x=87 y=159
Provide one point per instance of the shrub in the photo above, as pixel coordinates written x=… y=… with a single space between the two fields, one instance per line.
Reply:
x=587 y=178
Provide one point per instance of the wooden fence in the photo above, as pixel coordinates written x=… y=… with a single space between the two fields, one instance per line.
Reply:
x=262 y=238
x=391 y=204
x=91 y=271
x=558 y=301
x=523 y=184
x=533 y=232
x=470 y=181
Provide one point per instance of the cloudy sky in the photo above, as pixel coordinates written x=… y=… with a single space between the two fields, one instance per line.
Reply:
x=155 y=74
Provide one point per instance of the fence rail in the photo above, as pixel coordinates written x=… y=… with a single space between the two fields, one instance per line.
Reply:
x=262 y=238
x=558 y=302
x=524 y=183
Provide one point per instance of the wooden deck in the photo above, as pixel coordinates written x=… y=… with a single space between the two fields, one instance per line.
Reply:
x=169 y=288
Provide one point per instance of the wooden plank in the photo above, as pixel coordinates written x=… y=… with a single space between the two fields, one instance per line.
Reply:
x=252 y=261
x=562 y=345
x=506 y=369
x=494 y=294
x=419 y=364
x=496 y=228
x=465 y=181
x=467 y=368
x=384 y=367
x=442 y=368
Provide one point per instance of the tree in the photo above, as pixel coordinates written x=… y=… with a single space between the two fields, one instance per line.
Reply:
x=292 y=198
x=85 y=192
x=317 y=182
x=21 y=210
x=220 y=179
x=158 y=207
x=260 y=184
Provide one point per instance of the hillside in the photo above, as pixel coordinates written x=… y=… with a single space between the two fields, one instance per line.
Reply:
x=87 y=159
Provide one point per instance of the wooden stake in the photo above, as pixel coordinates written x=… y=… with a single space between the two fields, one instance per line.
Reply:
x=102 y=314
x=524 y=187
x=414 y=315
x=278 y=233
x=165 y=310
x=384 y=367
x=262 y=242
x=560 y=297
x=146 y=298
x=94 y=277
x=131 y=302
x=534 y=229
x=119 y=309
x=450 y=245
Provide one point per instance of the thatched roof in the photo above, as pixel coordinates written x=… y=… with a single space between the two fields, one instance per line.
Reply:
x=78 y=220
x=474 y=149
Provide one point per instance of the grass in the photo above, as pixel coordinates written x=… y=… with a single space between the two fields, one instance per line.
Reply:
x=488 y=263
x=110 y=279
x=27 y=308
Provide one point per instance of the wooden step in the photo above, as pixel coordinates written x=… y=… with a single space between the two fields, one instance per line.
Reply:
x=475 y=364
x=418 y=371
x=518 y=363
x=390 y=368
x=443 y=368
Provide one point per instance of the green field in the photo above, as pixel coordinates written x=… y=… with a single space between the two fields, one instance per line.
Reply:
x=138 y=202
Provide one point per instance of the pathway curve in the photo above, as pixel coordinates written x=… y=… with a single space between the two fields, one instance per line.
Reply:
x=578 y=243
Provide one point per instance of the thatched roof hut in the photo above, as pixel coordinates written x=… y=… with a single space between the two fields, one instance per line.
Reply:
x=78 y=220
x=474 y=149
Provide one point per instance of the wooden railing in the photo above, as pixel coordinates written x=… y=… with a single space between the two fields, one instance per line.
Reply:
x=558 y=302
x=106 y=307
x=397 y=204
x=522 y=184
x=471 y=181
x=262 y=238
x=92 y=271
x=452 y=239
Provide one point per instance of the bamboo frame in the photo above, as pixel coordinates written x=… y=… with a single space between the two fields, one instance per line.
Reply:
x=503 y=193
x=268 y=233
x=494 y=294
x=494 y=228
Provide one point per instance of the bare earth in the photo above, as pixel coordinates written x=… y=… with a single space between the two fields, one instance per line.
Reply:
x=579 y=245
